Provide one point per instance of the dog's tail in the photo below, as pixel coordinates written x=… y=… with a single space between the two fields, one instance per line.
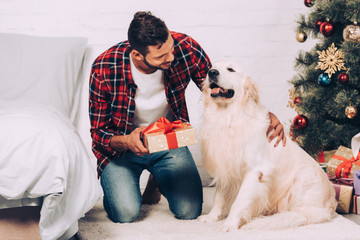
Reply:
x=291 y=219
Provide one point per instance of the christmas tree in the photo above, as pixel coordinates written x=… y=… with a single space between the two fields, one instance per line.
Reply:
x=326 y=91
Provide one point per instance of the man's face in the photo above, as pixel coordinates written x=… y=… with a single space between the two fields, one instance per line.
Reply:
x=160 y=57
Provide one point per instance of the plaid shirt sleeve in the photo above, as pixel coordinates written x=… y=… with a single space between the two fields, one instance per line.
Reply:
x=191 y=63
x=111 y=101
x=100 y=112
x=105 y=120
x=201 y=63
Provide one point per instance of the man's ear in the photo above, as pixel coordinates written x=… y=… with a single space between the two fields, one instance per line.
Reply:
x=137 y=55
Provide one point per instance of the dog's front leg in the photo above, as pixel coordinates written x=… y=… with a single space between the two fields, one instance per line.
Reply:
x=252 y=195
x=217 y=209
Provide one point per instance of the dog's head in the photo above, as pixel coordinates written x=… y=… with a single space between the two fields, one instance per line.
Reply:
x=226 y=82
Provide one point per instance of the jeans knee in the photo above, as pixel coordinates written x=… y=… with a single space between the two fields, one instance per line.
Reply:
x=187 y=210
x=122 y=214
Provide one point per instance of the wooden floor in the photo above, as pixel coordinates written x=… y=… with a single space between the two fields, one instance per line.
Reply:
x=20 y=223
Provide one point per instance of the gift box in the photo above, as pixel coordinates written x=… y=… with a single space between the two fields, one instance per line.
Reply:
x=344 y=193
x=356 y=204
x=324 y=156
x=343 y=163
x=355 y=146
x=357 y=182
x=164 y=135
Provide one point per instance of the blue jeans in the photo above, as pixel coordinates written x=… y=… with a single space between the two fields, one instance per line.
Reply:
x=174 y=170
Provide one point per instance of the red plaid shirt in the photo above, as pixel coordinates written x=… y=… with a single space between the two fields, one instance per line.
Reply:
x=112 y=91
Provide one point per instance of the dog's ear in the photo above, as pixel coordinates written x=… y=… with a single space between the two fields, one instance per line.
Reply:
x=251 y=92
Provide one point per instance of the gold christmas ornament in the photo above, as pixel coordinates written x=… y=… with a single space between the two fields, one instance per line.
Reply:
x=351 y=112
x=331 y=60
x=301 y=36
x=352 y=33
x=291 y=102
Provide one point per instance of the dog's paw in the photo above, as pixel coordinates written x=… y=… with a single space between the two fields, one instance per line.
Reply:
x=208 y=218
x=228 y=227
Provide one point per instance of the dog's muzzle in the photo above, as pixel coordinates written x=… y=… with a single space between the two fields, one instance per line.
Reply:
x=216 y=90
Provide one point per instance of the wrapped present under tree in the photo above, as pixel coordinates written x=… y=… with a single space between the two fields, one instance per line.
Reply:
x=356 y=204
x=357 y=182
x=343 y=193
x=343 y=163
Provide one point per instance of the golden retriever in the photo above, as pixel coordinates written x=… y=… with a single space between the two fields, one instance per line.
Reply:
x=257 y=185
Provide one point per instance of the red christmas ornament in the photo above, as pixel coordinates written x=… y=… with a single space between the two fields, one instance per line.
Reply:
x=300 y=122
x=297 y=100
x=326 y=28
x=343 y=78
x=318 y=23
x=309 y=3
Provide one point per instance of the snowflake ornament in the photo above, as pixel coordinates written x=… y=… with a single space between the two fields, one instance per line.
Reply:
x=291 y=102
x=331 y=60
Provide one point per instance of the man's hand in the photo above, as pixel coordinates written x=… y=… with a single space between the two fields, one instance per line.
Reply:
x=135 y=144
x=130 y=142
x=278 y=130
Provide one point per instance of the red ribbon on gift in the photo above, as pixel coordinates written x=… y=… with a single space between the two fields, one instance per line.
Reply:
x=346 y=165
x=164 y=125
x=321 y=157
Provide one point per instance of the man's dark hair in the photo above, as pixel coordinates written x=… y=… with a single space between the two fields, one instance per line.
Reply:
x=146 y=30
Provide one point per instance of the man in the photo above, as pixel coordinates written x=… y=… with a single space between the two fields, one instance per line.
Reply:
x=132 y=84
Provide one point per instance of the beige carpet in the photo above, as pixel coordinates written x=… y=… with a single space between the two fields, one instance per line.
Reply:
x=157 y=223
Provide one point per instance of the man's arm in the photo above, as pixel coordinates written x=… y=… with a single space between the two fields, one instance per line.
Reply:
x=201 y=63
x=100 y=113
x=278 y=128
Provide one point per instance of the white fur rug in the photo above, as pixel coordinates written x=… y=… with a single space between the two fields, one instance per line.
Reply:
x=157 y=223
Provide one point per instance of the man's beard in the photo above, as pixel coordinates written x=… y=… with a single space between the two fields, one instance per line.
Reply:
x=154 y=67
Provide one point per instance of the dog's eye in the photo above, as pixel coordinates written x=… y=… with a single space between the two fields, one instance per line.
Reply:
x=230 y=69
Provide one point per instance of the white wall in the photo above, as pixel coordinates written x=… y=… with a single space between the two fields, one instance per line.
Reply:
x=257 y=34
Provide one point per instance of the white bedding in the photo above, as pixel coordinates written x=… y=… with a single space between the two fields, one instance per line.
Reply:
x=42 y=155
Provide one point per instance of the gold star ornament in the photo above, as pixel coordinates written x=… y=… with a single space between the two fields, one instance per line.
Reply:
x=331 y=60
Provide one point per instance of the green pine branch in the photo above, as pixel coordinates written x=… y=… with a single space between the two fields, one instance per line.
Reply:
x=325 y=106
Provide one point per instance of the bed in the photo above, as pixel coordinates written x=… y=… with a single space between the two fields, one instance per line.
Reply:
x=43 y=159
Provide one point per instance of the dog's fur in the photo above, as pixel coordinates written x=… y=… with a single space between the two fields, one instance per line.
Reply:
x=257 y=185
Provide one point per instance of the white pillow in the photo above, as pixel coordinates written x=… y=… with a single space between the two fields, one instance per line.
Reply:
x=46 y=70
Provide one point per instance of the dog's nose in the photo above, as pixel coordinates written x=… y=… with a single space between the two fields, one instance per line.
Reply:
x=213 y=73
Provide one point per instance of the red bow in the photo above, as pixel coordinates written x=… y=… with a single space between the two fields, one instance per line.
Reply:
x=164 y=125
x=346 y=165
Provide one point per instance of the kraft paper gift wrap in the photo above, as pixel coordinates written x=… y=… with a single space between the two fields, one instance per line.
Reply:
x=164 y=135
x=356 y=204
x=344 y=193
x=343 y=163
x=325 y=156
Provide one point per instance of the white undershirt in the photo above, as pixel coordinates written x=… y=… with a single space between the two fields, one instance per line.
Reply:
x=150 y=99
